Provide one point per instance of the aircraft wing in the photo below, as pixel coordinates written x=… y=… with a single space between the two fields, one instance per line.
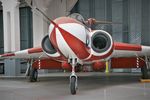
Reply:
x=26 y=54
x=120 y=50
x=130 y=50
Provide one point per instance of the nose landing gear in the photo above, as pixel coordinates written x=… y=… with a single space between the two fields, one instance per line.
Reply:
x=73 y=77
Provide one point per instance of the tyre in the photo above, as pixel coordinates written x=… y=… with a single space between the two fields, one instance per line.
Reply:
x=73 y=85
x=144 y=72
x=33 y=74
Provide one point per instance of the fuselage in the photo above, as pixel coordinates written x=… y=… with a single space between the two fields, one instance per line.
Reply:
x=72 y=39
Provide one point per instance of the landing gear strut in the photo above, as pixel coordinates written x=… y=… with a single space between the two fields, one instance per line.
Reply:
x=144 y=70
x=73 y=78
x=31 y=73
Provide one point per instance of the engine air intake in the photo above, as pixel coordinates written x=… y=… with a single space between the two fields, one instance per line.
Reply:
x=101 y=41
x=47 y=46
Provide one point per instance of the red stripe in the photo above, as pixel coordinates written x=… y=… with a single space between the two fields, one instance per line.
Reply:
x=60 y=58
x=35 y=50
x=54 y=41
x=53 y=38
x=7 y=54
x=77 y=46
x=47 y=64
x=125 y=46
x=126 y=62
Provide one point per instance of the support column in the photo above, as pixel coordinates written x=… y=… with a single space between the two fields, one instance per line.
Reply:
x=40 y=24
x=11 y=35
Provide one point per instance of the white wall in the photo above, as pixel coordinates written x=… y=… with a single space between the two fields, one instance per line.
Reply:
x=11 y=25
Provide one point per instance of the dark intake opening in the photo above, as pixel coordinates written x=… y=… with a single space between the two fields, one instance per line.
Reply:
x=100 y=42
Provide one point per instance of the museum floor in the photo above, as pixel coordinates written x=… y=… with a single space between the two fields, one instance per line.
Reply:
x=92 y=86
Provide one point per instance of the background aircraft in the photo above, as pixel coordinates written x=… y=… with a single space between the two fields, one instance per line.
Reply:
x=72 y=43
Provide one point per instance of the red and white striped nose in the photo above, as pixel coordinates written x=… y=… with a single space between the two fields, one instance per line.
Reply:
x=69 y=37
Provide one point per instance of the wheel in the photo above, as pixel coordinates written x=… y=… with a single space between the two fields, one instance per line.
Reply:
x=144 y=72
x=73 y=85
x=33 y=74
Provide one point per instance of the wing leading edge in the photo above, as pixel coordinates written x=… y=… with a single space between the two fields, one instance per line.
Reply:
x=120 y=50
x=26 y=54
x=130 y=50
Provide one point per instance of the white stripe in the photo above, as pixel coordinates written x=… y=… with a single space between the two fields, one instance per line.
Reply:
x=77 y=30
x=125 y=53
x=145 y=50
x=63 y=46
x=23 y=52
x=51 y=27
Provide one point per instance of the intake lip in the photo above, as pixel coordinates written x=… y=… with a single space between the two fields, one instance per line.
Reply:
x=100 y=42
x=47 y=45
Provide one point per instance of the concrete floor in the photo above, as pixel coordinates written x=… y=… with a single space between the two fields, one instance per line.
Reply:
x=92 y=86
